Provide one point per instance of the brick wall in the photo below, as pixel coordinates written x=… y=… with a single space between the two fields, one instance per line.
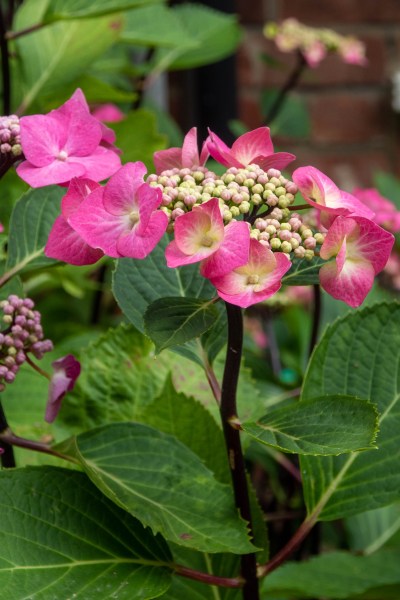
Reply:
x=354 y=130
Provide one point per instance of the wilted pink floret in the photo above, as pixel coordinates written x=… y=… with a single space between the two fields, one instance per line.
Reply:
x=185 y=157
x=353 y=52
x=320 y=191
x=67 y=142
x=386 y=213
x=258 y=280
x=64 y=243
x=200 y=235
x=253 y=147
x=361 y=249
x=122 y=219
x=314 y=53
x=66 y=372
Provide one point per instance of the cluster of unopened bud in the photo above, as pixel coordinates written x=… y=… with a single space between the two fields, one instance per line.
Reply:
x=284 y=231
x=240 y=190
x=23 y=333
x=10 y=138
x=243 y=192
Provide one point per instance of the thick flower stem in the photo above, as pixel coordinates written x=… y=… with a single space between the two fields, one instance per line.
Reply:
x=291 y=83
x=316 y=318
x=228 y=413
x=7 y=454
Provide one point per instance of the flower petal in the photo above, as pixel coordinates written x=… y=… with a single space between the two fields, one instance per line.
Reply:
x=78 y=190
x=66 y=244
x=66 y=372
x=42 y=138
x=120 y=192
x=54 y=173
x=251 y=144
x=233 y=251
x=134 y=245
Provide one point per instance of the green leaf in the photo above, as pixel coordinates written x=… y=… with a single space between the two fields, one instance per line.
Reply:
x=216 y=35
x=389 y=186
x=303 y=272
x=57 y=54
x=96 y=92
x=138 y=138
x=359 y=356
x=327 y=425
x=138 y=283
x=162 y=483
x=120 y=377
x=334 y=575
x=174 y=321
x=370 y=530
x=170 y=31
x=31 y=220
x=78 y=9
x=61 y=538
x=186 y=419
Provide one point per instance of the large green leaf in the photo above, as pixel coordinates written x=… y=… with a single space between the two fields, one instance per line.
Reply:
x=139 y=28
x=162 y=483
x=138 y=138
x=77 y=9
x=334 y=575
x=174 y=321
x=303 y=272
x=358 y=355
x=370 y=530
x=327 y=425
x=57 y=54
x=186 y=419
x=215 y=34
x=31 y=220
x=120 y=377
x=293 y=119
x=61 y=538
x=138 y=283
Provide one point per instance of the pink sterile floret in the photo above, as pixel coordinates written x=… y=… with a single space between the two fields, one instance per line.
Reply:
x=67 y=142
x=64 y=243
x=185 y=157
x=200 y=235
x=254 y=147
x=110 y=113
x=314 y=53
x=320 y=191
x=386 y=213
x=258 y=280
x=122 y=218
x=66 y=372
x=362 y=249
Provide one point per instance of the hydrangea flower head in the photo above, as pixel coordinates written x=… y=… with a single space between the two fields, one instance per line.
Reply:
x=66 y=143
x=253 y=147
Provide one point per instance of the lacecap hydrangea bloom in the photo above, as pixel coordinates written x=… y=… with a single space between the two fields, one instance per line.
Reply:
x=241 y=227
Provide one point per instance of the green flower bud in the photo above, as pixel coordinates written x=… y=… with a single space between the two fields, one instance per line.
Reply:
x=280 y=191
x=244 y=207
x=275 y=244
x=286 y=226
x=286 y=247
x=235 y=211
x=309 y=254
x=319 y=238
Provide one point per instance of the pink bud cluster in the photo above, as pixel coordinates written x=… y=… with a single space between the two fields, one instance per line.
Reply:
x=10 y=138
x=315 y=43
x=23 y=334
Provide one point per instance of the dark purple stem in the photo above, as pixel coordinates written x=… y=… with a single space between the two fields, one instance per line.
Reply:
x=228 y=412
x=7 y=454
x=316 y=317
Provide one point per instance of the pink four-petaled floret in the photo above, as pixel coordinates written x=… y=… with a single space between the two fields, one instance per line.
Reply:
x=255 y=281
x=253 y=147
x=67 y=142
x=185 y=157
x=122 y=218
x=361 y=250
x=200 y=235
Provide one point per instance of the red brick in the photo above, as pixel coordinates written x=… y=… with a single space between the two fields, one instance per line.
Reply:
x=250 y=12
x=249 y=109
x=348 y=117
x=341 y=11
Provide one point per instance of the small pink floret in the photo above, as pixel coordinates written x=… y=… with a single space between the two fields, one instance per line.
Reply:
x=361 y=250
x=253 y=147
x=185 y=157
x=255 y=281
x=66 y=372
x=122 y=219
x=66 y=143
x=386 y=213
